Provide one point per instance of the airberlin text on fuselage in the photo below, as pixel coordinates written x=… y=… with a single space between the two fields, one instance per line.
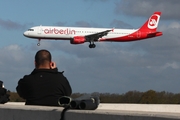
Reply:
x=59 y=31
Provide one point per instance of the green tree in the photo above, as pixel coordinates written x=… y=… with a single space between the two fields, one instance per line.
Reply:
x=14 y=97
x=131 y=97
x=149 y=97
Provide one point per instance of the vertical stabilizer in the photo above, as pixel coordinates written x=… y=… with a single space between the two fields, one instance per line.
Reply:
x=152 y=23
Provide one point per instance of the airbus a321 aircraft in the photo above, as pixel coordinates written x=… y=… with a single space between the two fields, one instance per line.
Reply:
x=79 y=35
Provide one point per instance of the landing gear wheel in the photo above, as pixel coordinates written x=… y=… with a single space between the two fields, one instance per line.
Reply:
x=92 y=46
x=38 y=44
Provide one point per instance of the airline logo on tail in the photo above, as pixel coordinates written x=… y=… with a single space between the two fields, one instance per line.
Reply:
x=153 y=21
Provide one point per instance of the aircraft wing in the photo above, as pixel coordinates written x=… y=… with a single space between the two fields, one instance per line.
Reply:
x=96 y=36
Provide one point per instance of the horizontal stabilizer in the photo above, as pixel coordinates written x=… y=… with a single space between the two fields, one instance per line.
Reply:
x=154 y=34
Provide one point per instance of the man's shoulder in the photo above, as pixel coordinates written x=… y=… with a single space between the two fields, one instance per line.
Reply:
x=54 y=73
x=36 y=71
x=26 y=77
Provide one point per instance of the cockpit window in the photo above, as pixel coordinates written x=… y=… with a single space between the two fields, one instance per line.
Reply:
x=30 y=29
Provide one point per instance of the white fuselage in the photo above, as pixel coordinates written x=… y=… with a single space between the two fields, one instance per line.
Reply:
x=51 y=32
x=79 y=35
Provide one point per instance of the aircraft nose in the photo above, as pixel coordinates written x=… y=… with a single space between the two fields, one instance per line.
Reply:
x=25 y=34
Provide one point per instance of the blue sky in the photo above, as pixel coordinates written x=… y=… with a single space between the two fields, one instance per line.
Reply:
x=110 y=67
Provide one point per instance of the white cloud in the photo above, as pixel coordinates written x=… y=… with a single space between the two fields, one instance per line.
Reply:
x=173 y=26
x=14 y=51
x=146 y=7
x=173 y=65
x=164 y=67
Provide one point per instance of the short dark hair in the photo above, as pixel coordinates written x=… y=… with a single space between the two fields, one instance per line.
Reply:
x=42 y=57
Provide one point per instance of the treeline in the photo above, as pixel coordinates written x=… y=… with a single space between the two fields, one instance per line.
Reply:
x=148 y=97
x=14 y=97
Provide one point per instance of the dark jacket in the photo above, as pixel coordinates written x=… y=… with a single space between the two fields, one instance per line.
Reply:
x=43 y=87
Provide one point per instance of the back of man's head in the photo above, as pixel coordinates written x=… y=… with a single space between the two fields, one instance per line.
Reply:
x=42 y=58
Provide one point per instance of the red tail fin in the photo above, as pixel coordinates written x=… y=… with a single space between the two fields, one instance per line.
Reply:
x=152 y=23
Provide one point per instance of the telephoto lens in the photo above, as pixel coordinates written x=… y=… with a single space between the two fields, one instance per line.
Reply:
x=64 y=101
x=89 y=104
x=75 y=104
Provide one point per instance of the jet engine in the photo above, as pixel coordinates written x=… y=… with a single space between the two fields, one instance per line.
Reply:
x=78 y=40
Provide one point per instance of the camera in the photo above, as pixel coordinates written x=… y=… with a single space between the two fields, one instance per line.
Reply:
x=4 y=97
x=89 y=103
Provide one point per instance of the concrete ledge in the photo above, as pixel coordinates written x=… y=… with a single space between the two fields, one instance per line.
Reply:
x=18 y=111
x=170 y=108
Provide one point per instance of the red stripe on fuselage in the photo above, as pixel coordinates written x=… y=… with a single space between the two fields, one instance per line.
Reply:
x=138 y=35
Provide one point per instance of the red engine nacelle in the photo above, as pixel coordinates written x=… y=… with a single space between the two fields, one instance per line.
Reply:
x=78 y=40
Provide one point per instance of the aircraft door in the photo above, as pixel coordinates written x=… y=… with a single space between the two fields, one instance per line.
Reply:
x=138 y=34
x=39 y=30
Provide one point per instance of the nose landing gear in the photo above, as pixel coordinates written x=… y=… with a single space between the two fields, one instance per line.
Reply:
x=92 y=45
x=38 y=44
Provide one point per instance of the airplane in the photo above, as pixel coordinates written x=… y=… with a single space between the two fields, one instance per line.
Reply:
x=80 y=35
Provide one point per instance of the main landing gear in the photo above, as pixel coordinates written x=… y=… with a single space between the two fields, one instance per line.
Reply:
x=92 y=45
